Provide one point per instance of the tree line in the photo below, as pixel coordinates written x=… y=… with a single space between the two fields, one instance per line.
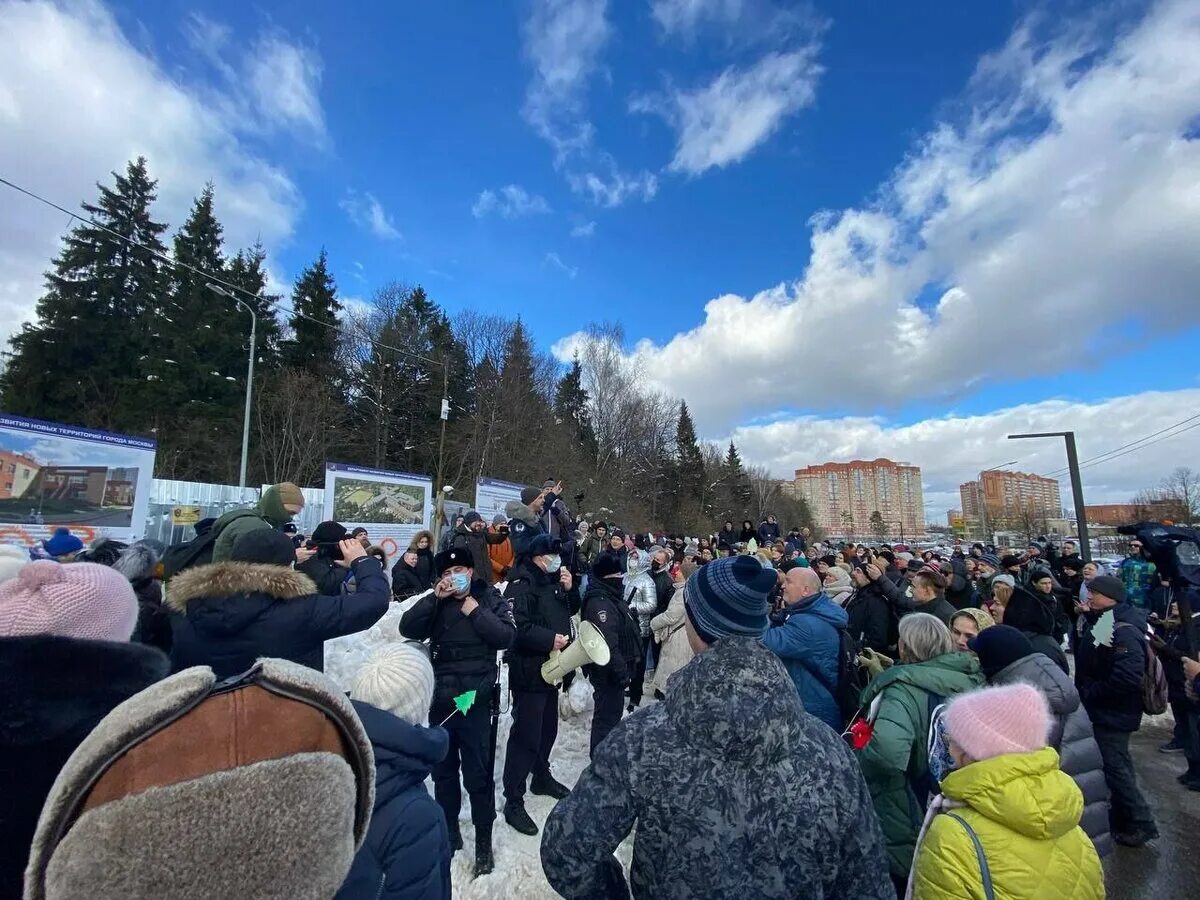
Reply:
x=129 y=337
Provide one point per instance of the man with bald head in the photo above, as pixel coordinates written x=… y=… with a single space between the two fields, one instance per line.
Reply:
x=805 y=636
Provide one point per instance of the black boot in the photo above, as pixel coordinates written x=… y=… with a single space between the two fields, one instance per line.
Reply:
x=515 y=815
x=545 y=785
x=456 y=842
x=485 y=863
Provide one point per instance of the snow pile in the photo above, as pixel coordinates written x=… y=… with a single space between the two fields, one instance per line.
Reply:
x=518 y=863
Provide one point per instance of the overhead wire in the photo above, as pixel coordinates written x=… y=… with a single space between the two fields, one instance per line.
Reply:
x=167 y=260
x=1133 y=446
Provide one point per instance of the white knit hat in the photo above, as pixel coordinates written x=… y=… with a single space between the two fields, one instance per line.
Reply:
x=12 y=560
x=399 y=678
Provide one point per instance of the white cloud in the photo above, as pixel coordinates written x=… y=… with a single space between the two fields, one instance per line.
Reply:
x=555 y=261
x=722 y=122
x=77 y=100
x=563 y=41
x=955 y=448
x=737 y=21
x=368 y=213
x=613 y=187
x=510 y=202
x=1054 y=226
x=584 y=229
x=285 y=78
x=684 y=16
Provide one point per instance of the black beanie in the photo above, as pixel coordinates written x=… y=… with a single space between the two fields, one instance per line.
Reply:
x=529 y=494
x=606 y=564
x=329 y=533
x=264 y=545
x=999 y=647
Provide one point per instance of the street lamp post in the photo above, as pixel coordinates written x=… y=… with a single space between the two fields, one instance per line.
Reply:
x=217 y=289
x=1076 y=484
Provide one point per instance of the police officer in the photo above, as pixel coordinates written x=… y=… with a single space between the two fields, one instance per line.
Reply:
x=605 y=606
x=466 y=622
x=543 y=599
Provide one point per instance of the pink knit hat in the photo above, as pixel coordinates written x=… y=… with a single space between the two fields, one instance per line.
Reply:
x=1013 y=718
x=76 y=600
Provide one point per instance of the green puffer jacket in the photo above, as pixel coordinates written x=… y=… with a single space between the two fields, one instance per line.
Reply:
x=269 y=513
x=898 y=753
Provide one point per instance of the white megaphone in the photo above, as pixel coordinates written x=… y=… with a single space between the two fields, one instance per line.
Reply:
x=588 y=647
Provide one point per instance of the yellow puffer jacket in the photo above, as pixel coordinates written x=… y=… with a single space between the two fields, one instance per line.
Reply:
x=1026 y=814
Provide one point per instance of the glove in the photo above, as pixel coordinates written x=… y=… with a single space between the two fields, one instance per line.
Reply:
x=873 y=662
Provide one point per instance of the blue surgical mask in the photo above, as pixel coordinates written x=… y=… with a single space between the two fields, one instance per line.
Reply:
x=461 y=582
x=553 y=564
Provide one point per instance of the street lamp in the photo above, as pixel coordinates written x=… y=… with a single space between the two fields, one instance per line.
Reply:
x=982 y=504
x=1076 y=484
x=217 y=289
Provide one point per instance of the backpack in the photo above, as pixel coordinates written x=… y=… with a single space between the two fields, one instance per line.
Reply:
x=851 y=679
x=1154 y=679
x=198 y=551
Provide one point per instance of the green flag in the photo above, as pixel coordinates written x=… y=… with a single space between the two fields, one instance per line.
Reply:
x=465 y=701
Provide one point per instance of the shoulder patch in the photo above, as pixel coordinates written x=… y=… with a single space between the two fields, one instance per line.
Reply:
x=517 y=525
x=602 y=615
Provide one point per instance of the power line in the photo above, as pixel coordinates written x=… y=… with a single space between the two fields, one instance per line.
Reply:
x=208 y=275
x=1133 y=446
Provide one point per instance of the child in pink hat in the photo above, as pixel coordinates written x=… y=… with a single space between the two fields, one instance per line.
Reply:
x=78 y=600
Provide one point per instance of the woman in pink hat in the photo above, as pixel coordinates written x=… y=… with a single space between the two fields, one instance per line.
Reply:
x=1006 y=823
x=65 y=663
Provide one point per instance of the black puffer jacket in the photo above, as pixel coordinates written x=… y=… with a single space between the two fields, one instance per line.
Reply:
x=226 y=615
x=53 y=692
x=1109 y=678
x=871 y=620
x=541 y=609
x=605 y=607
x=328 y=576
x=1071 y=735
x=406 y=581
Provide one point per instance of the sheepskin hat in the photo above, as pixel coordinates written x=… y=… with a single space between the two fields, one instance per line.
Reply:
x=399 y=678
x=75 y=600
x=993 y=721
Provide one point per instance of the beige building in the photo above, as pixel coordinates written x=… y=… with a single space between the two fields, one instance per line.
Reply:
x=843 y=497
x=999 y=495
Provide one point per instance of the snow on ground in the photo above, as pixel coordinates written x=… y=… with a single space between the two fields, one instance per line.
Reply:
x=518 y=865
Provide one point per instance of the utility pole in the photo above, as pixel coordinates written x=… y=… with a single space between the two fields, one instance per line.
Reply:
x=217 y=289
x=1076 y=485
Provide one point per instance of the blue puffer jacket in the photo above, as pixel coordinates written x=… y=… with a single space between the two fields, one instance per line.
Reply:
x=407 y=851
x=806 y=639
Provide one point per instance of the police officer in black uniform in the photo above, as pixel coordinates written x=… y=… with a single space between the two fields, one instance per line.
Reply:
x=606 y=607
x=543 y=599
x=466 y=622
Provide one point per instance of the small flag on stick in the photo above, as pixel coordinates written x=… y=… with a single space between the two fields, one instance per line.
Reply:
x=462 y=703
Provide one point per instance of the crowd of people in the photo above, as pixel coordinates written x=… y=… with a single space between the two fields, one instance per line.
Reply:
x=772 y=715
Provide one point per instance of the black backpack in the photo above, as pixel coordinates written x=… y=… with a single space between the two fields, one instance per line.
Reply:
x=851 y=679
x=199 y=551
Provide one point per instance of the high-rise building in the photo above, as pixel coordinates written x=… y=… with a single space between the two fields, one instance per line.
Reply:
x=1000 y=495
x=844 y=496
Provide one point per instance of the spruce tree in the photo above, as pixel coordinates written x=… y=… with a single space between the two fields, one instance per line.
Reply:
x=247 y=271
x=82 y=360
x=690 y=475
x=737 y=490
x=571 y=408
x=313 y=346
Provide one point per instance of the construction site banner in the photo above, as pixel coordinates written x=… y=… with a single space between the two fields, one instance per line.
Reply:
x=392 y=506
x=94 y=483
x=492 y=495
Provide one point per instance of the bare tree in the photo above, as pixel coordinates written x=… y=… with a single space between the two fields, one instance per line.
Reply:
x=298 y=418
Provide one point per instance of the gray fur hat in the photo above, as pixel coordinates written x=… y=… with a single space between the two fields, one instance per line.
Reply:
x=258 y=786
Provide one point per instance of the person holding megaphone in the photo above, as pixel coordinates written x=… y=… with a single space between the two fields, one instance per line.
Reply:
x=543 y=597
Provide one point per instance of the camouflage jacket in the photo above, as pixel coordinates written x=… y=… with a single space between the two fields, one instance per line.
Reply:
x=734 y=789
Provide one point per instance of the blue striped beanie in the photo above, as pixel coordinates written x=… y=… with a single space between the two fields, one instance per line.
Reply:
x=729 y=598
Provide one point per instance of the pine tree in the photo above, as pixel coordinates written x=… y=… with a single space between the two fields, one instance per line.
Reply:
x=737 y=489
x=314 y=343
x=571 y=408
x=81 y=362
x=691 y=477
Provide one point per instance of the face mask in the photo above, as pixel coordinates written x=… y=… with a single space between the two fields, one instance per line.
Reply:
x=461 y=582
x=553 y=564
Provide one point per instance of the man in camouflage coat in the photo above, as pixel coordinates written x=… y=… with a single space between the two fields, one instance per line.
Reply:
x=733 y=788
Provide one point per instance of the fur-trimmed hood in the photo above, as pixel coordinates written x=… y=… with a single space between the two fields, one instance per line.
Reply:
x=515 y=509
x=137 y=562
x=235 y=579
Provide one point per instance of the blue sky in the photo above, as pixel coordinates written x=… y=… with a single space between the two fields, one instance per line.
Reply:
x=836 y=229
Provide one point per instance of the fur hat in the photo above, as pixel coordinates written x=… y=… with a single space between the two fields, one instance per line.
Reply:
x=455 y=556
x=993 y=721
x=62 y=543
x=542 y=545
x=12 y=560
x=137 y=561
x=729 y=598
x=398 y=677
x=264 y=545
x=264 y=788
x=75 y=600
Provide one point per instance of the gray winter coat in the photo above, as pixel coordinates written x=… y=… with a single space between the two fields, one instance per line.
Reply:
x=735 y=791
x=639 y=590
x=1071 y=735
